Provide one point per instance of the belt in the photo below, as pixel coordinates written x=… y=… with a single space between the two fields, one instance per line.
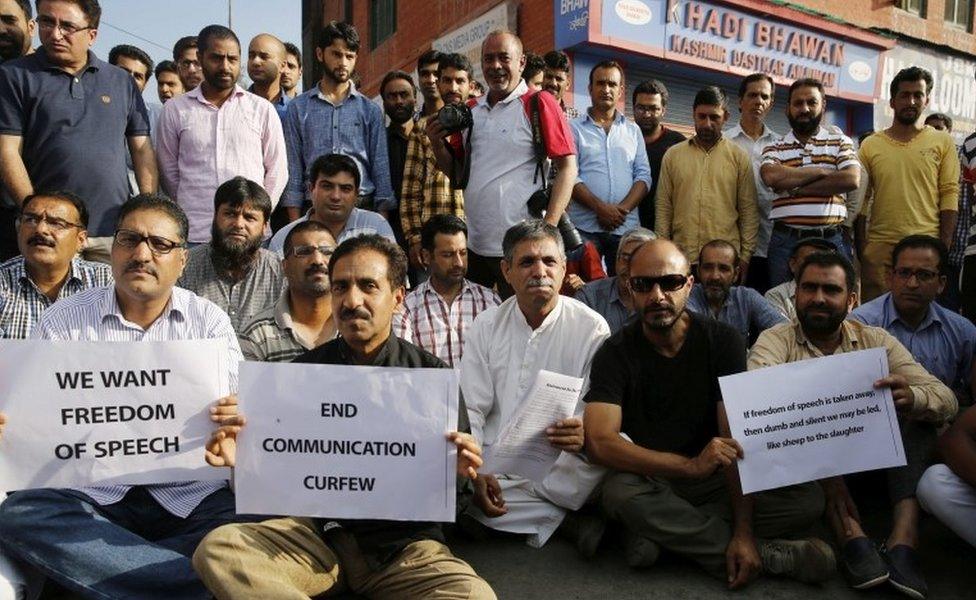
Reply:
x=805 y=232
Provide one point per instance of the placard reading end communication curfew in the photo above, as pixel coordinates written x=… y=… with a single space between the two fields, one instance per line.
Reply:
x=82 y=413
x=345 y=442
x=813 y=419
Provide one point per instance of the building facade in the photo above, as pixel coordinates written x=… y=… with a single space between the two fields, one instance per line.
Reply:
x=854 y=46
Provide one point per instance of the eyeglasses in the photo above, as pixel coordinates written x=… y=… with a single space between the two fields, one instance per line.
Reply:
x=33 y=220
x=922 y=275
x=667 y=283
x=306 y=251
x=187 y=63
x=67 y=29
x=158 y=245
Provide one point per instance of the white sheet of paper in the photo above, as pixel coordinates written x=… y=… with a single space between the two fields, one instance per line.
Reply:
x=522 y=447
x=346 y=442
x=813 y=419
x=82 y=413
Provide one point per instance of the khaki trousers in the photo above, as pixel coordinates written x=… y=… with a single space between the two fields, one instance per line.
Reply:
x=691 y=517
x=286 y=558
x=875 y=264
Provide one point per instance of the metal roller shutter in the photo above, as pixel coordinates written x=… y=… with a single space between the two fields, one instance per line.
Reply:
x=682 y=95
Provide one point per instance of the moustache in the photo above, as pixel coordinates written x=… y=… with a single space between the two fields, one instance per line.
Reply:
x=347 y=314
x=540 y=282
x=134 y=266
x=656 y=307
x=39 y=240
x=317 y=269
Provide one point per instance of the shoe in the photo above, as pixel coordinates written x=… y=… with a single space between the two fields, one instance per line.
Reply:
x=810 y=560
x=585 y=531
x=863 y=567
x=639 y=551
x=904 y=571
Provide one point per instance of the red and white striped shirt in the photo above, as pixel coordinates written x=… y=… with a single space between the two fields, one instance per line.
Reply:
x=427 y=321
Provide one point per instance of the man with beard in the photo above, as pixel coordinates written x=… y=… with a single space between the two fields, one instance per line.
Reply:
x=428 y=66
x=185 y=55
x=940 y=340
x=757 y=93
x=302 y=317
x=824 y=297
x=218 y=131
x=913 y=181
x=16 y=32
x=717 y=296
x=333 y=187
x=335 y=117
x=291 y=74
x=265 y=62
x=674 y=476
x=650 y=102
x=557 y=79
x=438 y=312
x=506 y=347
x=233 y=271
x=706 y=189
x=812 y=169
x=427 y=191
x=613 y=170
x=399 y=96
x=503 y=168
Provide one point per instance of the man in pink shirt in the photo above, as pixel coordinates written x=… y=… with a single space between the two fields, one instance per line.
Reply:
x=218 y=131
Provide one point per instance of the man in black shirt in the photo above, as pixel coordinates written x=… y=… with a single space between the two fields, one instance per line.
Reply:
x=399 y=103
x=656 y=381
x=292 y=557
x=650 y=105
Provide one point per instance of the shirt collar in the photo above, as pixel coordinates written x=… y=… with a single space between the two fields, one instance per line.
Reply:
x=94 y=63
x=109 y=306
x=20 y=271
x=197 y=94
x=737 y=130
x=551 y=318
x=889 y=314
x=317 y=91
x=848 y=341
x=520 y=90
x=618 y=117
x=383 y=357
x=282 y=311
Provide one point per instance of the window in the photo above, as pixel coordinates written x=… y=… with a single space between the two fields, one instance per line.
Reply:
x=959 y=13
x=382 y=21
x=916 y=7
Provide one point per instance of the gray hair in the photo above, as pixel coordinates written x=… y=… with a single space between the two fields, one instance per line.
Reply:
x=637 y=234
x=530 y=229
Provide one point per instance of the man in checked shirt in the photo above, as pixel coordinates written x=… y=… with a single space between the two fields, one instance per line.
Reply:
x=437 y=313
x=128 y=541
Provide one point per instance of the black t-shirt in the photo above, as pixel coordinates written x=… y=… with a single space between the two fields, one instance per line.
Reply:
x=655 y=154
x=668 y=404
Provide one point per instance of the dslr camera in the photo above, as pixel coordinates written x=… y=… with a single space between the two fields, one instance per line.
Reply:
x=454 y=117
x=537 y=205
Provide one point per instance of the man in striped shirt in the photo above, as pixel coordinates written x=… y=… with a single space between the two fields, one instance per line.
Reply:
x=51 y=231
x=437 y=313
x=812 y=168
x=128 y=541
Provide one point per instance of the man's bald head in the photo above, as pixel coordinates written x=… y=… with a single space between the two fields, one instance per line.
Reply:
x=266 y=56
x=504 y=36
x=502 y=61
x=659 y=257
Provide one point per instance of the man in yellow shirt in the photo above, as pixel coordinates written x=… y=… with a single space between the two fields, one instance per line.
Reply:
x=706 y=190
x=913 y=188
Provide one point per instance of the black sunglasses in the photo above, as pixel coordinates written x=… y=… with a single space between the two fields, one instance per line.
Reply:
x=667 y=283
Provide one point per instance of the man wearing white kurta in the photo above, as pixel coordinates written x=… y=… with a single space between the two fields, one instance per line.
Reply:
x=505 y=349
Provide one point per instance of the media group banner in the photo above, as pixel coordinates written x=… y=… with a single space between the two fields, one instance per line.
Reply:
x=346 y=442
x=83 y=413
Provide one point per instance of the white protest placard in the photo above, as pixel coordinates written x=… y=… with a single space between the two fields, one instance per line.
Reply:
x=522 y=447
x=347 y=442
x=813 y=419
x=82 y=413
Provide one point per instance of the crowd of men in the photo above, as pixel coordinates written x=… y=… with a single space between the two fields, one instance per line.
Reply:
x=304 y=228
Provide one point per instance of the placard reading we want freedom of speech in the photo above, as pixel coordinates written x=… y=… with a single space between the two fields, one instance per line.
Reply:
x=813 y=419
x=82 y=413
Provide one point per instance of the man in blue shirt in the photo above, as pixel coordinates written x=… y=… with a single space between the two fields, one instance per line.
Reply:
x=614 y=174
x=610 y=296
x=940 y=340
x=334 y=118
x=715 y=296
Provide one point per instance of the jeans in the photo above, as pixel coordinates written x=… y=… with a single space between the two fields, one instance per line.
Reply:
x=781 y=246
x=606 y=243
x=131 y=549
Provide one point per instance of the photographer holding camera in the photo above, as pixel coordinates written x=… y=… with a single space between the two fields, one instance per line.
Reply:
x=494 y=159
